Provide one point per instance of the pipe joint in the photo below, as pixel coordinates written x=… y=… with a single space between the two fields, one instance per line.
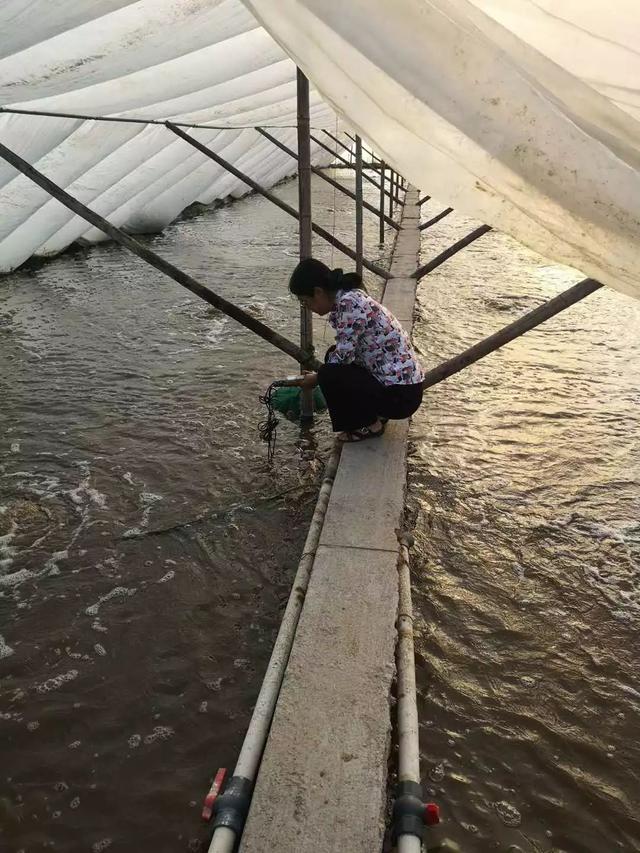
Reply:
x=232 y=807
x=410 y=813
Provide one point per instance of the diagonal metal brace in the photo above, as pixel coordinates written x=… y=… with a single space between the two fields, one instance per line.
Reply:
x=156 y=261
x=451 y=251
x=241 y=176
x=435 y=219
x=328 y=179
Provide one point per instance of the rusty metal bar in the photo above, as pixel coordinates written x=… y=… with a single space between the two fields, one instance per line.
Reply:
x=451 y=251
x=305 y=226
x=156 y=261
x=512 y=331
x=359 y=231
x=349 y=165
x=382 y=213
x=322 y=232
x=435 y=219
x=321 y=174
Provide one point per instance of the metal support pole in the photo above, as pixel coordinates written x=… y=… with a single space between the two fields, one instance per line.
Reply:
x=423 y=200
x=306 y=234
x=322 y=232
x=359 y=232
x=335 y=184
x=155 y=260
x=451 y=251
x=513 y=330
x=382 y=217
x=345 y=162
x=391 y=192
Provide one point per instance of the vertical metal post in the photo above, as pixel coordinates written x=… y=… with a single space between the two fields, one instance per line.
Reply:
x=382 y=180
x=304 y=207
x=391 y=193
x=359 y=233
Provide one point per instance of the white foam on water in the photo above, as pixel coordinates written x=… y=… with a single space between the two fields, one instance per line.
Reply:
x=170 y=575
x=508 y=813
x=148 y=500
x=57 y=681
x=5 y=650
x=100 y=650
x=118 y=592
x=16 y=578
x=159 y=733
x=134 y=741
x=101 y=845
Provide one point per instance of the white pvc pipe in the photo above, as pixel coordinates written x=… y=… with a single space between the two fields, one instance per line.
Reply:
x=224 y=839
x=409 y=844
x=408 y=732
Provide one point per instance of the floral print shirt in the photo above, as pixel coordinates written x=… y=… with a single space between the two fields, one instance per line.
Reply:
x=370 y=336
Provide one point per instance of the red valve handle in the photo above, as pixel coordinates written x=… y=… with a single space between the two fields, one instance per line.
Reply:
x=212 y=796
x=431 y=814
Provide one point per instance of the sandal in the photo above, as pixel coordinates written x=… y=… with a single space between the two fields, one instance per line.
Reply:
x=357 y=435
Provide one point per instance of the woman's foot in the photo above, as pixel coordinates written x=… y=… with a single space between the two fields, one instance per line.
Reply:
x=374 y=430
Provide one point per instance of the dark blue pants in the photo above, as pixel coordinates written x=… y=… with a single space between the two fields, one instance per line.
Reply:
x=356 y=398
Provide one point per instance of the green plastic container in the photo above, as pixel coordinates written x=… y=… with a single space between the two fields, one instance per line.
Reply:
x=287 y=401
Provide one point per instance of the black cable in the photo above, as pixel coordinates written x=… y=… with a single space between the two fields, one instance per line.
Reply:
x=268 y=428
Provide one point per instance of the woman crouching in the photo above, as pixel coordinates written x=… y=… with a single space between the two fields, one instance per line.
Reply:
x=372 y=374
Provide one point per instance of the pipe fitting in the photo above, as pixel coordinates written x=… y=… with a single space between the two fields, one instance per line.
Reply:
x=410 y=813
x=232 y=807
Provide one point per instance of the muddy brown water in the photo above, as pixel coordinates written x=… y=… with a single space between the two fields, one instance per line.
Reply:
x=146 y=549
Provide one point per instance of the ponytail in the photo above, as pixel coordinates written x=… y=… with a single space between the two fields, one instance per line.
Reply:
x=311 y=273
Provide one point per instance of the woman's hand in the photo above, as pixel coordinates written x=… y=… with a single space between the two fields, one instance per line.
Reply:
x=309 y=380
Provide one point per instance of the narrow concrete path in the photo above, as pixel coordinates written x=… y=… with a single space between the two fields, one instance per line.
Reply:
x=322 y=782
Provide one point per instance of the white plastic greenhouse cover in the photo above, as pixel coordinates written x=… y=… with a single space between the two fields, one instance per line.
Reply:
x=200 y=61
x=522 y=113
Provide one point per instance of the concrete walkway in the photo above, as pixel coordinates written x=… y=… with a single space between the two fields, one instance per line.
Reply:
x=322 y=782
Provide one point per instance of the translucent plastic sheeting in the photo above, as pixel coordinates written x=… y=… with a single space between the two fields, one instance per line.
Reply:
x=204 y=61
x=519 y=113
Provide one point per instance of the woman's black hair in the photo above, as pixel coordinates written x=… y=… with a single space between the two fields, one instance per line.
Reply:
x=311 y=273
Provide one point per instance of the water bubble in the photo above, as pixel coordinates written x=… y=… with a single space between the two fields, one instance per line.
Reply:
x=33 y=725
x=508 y=813
x=75 y=802
x=436 y=774
x=134 y=741
x=60 y=787
x=159 y=733
x=203 y=707
x=101 y=845
x=57 y=681
x=100 y=650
